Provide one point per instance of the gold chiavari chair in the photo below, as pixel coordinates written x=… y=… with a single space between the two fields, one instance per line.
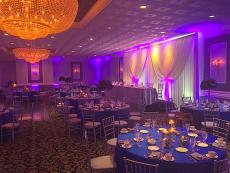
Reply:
x=73 y=123
x=183 y=118
x=132 y=166
x=222 y=166
x=160 y=118
x=122 y=120
x=208 y=122
x=100 y=164
x=90 y=124
x=221 y=128
x=134 y=117
x=109 y=132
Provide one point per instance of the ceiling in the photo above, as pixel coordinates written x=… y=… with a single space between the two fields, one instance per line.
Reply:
x=122 y=25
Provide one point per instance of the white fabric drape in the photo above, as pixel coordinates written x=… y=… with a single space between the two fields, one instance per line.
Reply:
x=173 y=60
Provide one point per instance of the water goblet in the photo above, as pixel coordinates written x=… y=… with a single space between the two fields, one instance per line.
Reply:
x=204 y=135
x=187 y=127
x=193 y=143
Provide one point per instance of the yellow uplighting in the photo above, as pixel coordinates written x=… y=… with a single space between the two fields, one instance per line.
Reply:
x=31 y=55
x=32 y=19
x=168 y=59
x=155 y=54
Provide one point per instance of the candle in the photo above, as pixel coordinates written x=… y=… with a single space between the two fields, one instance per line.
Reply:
x=171 y=122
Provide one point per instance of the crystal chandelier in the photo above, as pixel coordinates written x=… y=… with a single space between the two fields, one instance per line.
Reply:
x=31 y=55
x=32 y=19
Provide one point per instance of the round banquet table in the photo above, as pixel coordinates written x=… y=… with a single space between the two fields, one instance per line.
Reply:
x=182 y=163
x=6 y=117
x=77 y=101
x=100 y=114
x=198 y=114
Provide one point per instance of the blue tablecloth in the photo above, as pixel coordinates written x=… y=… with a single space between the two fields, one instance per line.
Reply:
x=182 y=163
x=198 y=115
x=6 y=117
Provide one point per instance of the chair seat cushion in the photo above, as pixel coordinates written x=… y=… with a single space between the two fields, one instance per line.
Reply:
x=135 y=118
x=120 y=123
x=72 y=115
x=74 y=120
x=92 y=124
x=102 y=162
x=10 y=125
x=208 y=123
x=112 y=142
x=135 y=114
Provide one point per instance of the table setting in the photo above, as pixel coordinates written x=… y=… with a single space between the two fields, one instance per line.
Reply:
x=175 y=149
x=105 y=108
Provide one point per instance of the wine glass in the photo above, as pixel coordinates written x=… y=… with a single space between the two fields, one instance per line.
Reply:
x=187 y=127
x=204 y=135
x=154 y=124
x=193 y=143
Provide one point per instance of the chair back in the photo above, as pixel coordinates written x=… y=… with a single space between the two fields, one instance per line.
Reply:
x=123 y=115
x=185 y=117
x=88 y=116
x=222 y=166
x=209 y=116
x=132 y=166
x=220 y=128
x=108 y=126
x=158 y=117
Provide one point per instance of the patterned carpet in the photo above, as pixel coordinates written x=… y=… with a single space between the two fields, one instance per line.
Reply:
x=45 y=147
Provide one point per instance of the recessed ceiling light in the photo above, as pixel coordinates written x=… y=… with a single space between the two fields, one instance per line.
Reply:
x=143 y=6
x=12 y=43
x=162 y=32
x=211 y=16
x=73 y=51
x=91 y=39
x=95 y=55
x=80 y=46
x=49 y=45
x=52 y=36
x=6 y=34
x=109 y=28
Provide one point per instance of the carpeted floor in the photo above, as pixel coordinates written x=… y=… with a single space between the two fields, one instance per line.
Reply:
x=45 y=147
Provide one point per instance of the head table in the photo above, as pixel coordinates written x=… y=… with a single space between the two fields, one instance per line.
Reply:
x=183 y=162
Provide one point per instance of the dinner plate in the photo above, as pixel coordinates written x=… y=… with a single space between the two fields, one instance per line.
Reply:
x=164 y=158
x=181 y=149
x=202 y=144
x=151 y=141
x=126 y=146
x=192 y=134
x=161 y=129
x=124 y=130
x=153 y=148
x=140 y=139
x=207 y=155
x=144 y=131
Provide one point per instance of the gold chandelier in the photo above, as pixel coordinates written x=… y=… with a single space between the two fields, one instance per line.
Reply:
x=31 y=55
x=32 y=19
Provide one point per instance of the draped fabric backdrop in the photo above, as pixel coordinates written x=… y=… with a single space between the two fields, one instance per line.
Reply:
x=171 y=62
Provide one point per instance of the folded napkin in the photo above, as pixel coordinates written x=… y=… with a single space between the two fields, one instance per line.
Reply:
x=197 y=156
